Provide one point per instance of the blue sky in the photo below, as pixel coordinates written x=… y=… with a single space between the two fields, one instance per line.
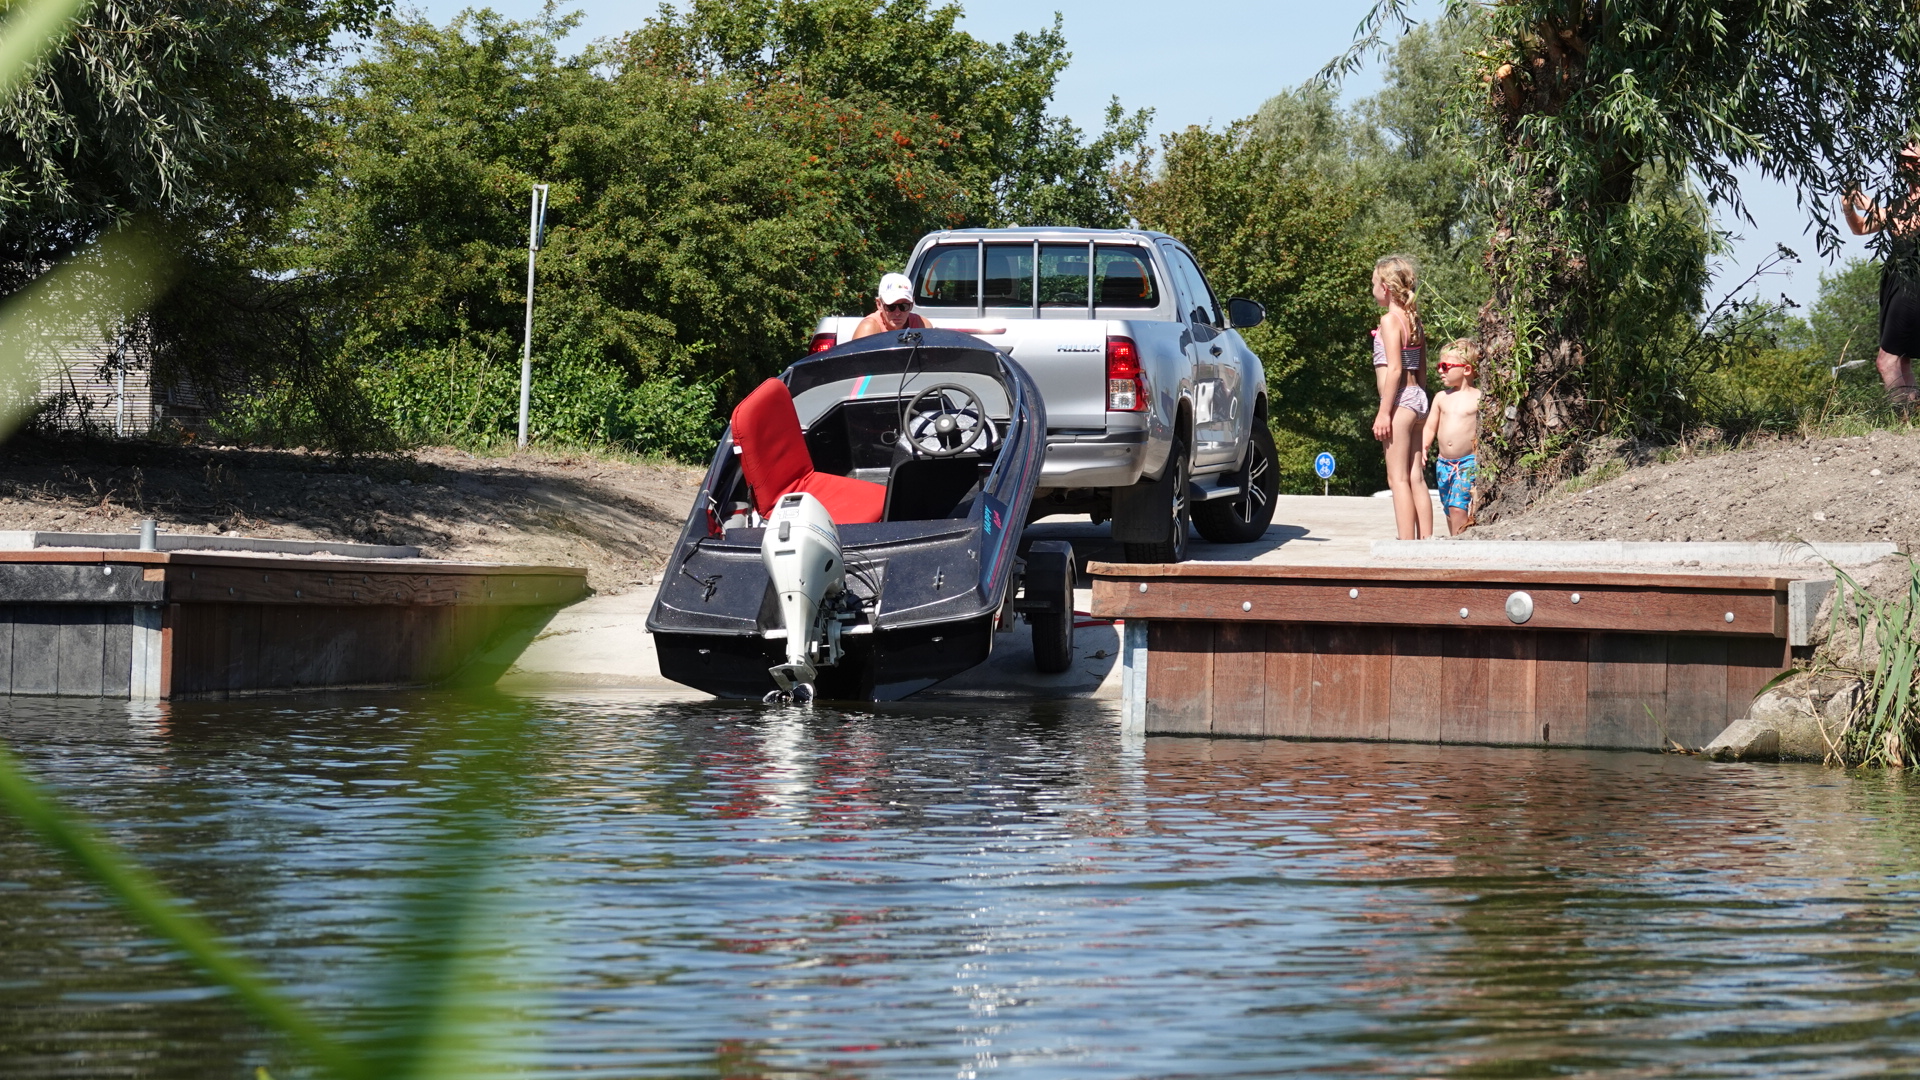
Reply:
x=1213 y=61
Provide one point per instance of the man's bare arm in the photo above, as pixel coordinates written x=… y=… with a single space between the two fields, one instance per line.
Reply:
x=1863 y=214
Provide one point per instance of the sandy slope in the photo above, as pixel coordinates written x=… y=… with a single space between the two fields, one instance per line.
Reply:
x=615 y=518
x=1834 y=489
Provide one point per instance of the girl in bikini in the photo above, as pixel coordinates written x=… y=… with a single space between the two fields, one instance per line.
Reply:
x=1399 y=368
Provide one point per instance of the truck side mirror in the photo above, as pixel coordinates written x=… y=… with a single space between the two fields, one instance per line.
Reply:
x=1244 y=314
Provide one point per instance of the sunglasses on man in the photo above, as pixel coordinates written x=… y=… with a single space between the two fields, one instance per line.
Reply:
x=900 y=305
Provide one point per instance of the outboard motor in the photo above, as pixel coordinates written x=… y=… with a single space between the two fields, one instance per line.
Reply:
x=801 y=551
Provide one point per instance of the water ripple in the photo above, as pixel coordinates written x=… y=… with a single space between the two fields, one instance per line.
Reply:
x=681 y=888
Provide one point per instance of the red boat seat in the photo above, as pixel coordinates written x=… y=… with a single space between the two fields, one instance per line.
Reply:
x=775 y=461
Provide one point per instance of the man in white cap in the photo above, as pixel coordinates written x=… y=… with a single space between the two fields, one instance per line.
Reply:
x=892 y=309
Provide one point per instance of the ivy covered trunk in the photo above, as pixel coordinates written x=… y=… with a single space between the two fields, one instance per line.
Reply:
x=1537 y=418
x=1535 y=406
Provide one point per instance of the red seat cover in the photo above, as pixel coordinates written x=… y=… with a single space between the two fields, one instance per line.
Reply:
x=775 y=462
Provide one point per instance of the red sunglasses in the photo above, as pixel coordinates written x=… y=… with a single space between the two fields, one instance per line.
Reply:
x=1444 y=366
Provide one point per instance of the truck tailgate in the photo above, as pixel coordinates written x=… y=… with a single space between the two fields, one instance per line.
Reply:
x=1067 y=359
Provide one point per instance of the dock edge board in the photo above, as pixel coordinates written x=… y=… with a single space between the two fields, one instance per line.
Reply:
x=1641 y=661
x=158 y=625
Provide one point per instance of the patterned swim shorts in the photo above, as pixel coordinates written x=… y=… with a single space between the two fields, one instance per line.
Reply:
x=1456 y=481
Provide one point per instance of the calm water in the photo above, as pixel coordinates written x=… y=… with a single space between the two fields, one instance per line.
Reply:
x=682 y=889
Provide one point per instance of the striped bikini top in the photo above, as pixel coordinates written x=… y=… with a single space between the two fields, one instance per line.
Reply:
x=1411 y=356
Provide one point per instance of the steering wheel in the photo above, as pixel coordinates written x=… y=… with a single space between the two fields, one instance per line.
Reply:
x=946 y=421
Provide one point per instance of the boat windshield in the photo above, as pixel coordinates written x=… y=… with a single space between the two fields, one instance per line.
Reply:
x=813 y=402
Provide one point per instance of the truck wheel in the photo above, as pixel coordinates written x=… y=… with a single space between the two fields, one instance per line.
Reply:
x=1050 y=577
x=1245 y=517
x=1174 y=548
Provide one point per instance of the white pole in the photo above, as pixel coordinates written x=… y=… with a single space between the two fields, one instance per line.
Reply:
x=536 y=225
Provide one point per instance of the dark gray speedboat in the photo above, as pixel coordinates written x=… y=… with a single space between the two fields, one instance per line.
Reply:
x=858 y=533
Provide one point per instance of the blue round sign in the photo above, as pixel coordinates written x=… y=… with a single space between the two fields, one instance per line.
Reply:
x=1323 y=465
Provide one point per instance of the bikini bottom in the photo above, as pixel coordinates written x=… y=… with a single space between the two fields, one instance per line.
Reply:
x=1415 y=398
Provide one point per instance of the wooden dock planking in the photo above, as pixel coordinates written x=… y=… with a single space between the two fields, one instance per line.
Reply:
x=120 y=623
x=1640 y=661
x=1288 y=695
x=1182 y=679
x=1239 y=679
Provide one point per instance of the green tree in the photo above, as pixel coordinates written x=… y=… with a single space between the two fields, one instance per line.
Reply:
x=188 y=115
x=1584 y=104
x=1844 y=322
x=1014 y=163
x=720 y=179
x=1269 y=223
x=697 y=227
x=1424 y=192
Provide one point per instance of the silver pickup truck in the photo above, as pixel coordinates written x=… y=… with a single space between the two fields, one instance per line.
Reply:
x=1156 y=409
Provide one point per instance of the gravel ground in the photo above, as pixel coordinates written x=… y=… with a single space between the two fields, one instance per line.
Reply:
x=1824 y=489
x=617 y=519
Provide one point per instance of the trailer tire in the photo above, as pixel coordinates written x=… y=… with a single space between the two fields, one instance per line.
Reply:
x=1050 y=576
x=1245 y=517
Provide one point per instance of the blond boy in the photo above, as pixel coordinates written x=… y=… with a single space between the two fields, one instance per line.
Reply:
x=1454 y=422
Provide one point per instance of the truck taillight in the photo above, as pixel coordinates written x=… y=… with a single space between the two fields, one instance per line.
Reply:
x=822 y=342
x=1126 y=383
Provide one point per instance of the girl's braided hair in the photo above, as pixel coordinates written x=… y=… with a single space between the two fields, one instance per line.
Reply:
x=1401 y=276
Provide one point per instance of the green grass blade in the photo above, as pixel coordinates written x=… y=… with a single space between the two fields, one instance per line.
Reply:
x=150 y=902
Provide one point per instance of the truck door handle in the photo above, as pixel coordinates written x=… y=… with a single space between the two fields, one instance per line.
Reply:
x=1215 y=350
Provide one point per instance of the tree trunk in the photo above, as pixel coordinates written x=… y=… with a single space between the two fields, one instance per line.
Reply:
x=1536 y=420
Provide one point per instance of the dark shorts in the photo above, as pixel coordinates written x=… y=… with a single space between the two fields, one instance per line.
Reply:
x=1899 y=316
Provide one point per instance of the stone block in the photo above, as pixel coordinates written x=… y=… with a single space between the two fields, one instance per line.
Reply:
x=1807 y=712
x=1746 y=740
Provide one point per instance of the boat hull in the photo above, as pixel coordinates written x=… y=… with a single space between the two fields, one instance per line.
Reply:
x=875 y=667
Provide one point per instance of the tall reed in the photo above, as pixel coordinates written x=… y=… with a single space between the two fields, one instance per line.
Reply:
x=1884 y=725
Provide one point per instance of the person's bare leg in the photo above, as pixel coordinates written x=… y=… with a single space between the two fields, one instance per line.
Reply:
x=1399 y=448
x=1896 y=373
x=1456 y=521
x=1406 y=428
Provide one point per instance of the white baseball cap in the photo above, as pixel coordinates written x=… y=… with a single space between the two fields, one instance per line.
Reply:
x=895 y=288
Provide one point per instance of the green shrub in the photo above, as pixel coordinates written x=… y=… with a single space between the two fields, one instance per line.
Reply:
x=469 y=390
x=672 y=418
x=329 y=409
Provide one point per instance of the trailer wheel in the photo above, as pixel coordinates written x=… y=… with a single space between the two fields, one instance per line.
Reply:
x=1049 y=581
x=1245 y=517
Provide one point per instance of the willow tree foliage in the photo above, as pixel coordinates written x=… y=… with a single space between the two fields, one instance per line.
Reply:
x=1588 y=109
x=178 y=109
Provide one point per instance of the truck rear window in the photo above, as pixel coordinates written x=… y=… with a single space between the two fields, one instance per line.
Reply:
x=1123 y=278
x=1010 y=275
x=1063 y=275
x=950 y=276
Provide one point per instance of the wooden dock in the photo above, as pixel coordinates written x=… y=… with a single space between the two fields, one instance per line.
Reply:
x=1630 y=660
x=151 y=625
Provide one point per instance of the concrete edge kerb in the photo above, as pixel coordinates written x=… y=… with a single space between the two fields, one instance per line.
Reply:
x=1630 y=552
x=23 y=540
